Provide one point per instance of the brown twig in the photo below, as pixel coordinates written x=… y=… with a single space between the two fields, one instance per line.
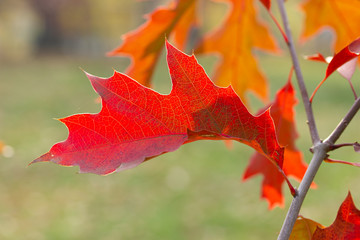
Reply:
x=300 y=79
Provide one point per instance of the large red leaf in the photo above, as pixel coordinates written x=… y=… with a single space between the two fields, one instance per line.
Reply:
x=137 y=123
x=282 y=112
x=145 y=44
x=345 y=226
x=235 y=41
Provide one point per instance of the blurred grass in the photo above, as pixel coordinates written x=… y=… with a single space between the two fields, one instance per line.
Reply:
x=193 y=193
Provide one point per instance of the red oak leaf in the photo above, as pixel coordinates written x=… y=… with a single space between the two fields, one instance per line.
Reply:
x=282 y=112
x=137 y=123
x=235 y=40
x=145 y=44
x=343 y=61
x=345 y=226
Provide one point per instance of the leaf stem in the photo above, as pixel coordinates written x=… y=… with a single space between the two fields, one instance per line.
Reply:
x=279 y=27
x=353 y=89
x=300 y=79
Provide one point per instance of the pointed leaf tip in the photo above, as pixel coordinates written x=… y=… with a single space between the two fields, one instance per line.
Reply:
x=44 y=158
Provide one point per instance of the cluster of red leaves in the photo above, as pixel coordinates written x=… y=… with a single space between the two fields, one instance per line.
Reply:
x=136 y=123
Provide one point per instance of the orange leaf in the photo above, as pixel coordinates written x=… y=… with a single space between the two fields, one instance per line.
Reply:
x=185 y=24
x=342 y=16
x=145 y=44
x=239 y=34
x=282 y=112
x=345 y=226
x=304 y=229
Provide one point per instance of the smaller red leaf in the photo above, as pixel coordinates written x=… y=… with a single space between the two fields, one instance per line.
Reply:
x=346 y=70
x=339 y=60
x=348 y=53
x=345 y=226
x=283 y=114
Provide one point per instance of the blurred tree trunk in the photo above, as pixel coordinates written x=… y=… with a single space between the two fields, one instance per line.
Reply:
x=66 y=23
x=51 y=35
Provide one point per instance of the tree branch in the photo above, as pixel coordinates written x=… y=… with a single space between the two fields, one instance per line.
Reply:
x=300 y=79
x=320 y=153
x=320 y=148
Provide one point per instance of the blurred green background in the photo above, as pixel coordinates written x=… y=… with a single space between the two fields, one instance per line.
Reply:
x=193 y=193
